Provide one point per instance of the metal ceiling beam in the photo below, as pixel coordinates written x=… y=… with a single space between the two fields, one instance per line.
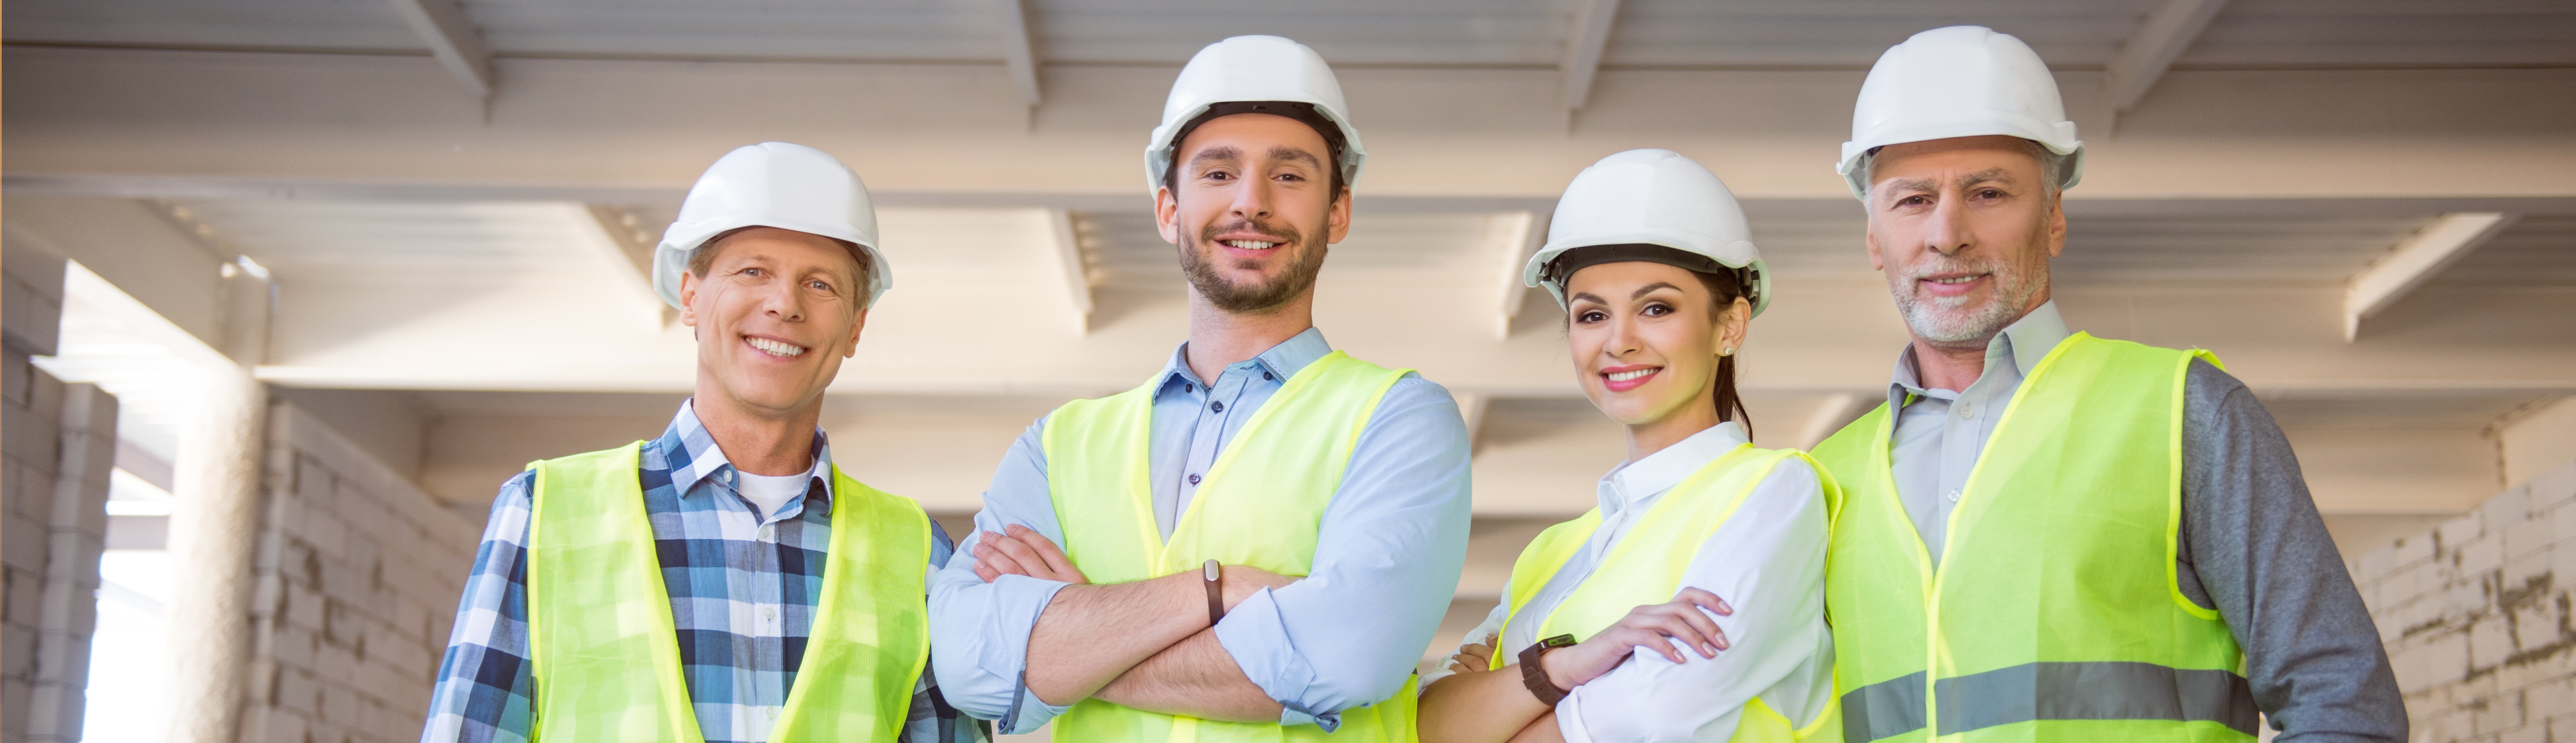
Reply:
x=630 y=243
x=452 y=39
x=1019 y=51
x=1076 y=273
x=1583 y=49
x=2144 y=57
x=1517 y=236
x=2445 y=241
x=1471 y=408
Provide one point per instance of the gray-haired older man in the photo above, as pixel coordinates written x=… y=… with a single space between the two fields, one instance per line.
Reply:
x=2047 y=535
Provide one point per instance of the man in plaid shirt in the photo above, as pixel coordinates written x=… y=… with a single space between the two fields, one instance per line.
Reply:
x=741 y=556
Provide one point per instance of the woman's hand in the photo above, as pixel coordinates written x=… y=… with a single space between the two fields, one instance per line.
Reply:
x=1474 y=656
x=1653 y=626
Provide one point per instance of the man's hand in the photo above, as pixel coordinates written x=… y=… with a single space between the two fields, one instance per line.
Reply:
x=1653 y=626
x=1023 y=551
x=1474 y=657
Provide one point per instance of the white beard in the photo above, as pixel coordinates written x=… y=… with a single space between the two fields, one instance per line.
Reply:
x=1952 y=320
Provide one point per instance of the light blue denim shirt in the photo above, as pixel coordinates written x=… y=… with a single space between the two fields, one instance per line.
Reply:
x=1386 y=564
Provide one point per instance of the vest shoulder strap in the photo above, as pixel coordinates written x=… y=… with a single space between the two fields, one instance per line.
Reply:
x=590 y=556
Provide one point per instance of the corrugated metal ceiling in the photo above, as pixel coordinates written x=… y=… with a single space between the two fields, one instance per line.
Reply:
x=1484 y=33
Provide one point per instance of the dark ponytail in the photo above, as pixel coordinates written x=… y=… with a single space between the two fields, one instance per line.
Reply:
x=1724 y=287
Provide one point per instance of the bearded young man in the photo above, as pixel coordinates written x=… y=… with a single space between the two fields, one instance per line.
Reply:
x=1259 y=541
x=2047 y=536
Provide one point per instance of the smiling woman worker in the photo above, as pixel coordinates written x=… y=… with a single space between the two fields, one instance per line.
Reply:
x=1612 y=628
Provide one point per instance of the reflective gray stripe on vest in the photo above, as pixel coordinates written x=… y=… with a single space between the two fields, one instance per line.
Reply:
x=2104 y=690
x=1884 y=709
x=2100 y=690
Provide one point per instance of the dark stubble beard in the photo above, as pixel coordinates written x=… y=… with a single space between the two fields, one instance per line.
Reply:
x=1197 y=263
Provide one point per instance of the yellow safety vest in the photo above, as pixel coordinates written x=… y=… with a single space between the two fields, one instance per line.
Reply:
x=1646 y=567
x=1261 y=505
x=601 y=641
x=2054 y=615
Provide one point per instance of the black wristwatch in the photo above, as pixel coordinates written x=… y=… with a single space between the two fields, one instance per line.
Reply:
x=1216 y=592
x=1535 y=677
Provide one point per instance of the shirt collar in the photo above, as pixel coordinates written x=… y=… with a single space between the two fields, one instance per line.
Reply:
x=2021 y=345
x=695 y=457
x=1281 y=361
x=1633 y=482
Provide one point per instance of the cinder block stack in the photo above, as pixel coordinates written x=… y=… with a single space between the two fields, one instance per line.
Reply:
x=359 y=573
x=57 y=444
x=2479 y=620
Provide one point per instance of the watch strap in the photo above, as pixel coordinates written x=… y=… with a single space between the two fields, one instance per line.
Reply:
x=1535 y=677
x=1215 y=575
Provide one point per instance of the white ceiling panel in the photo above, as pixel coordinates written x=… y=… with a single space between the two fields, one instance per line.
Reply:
x=1419 y=33
x=1347 y=32
x=2272 y=248
x=1852 y=33
x=283 y=24
x=419 y=241
x=902 y=30
x=2388 y=33
x=2536 y=249
x=1122 y=247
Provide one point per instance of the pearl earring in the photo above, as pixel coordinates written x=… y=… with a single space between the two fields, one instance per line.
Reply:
x=1727 y=351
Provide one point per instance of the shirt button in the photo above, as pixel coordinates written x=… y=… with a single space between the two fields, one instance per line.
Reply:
x=1265 y=376
x=1189 y=388
x=1218 y=406
x=1967 y=409
x=1952 y=496
x=769 y=612
x=772 y=712
x=1194 y=478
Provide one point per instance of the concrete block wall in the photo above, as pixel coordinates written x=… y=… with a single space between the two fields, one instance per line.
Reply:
x=29 y=412
x=2480 y=619
x=358 y=576
x=57 y=444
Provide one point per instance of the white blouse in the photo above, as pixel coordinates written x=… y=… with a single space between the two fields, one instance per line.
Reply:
x=1768 y=563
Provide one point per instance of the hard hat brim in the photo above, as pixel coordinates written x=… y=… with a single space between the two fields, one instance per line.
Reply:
x=1161 y=152
x=1743 y=256
x=671 y=257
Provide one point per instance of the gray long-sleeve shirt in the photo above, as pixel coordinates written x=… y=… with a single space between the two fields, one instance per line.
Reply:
x=2252 y=545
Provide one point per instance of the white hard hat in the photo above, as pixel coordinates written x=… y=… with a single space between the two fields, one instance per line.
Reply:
x=1652 y=198
x=772 y=184
x=1960 y=81
x=1254 y=69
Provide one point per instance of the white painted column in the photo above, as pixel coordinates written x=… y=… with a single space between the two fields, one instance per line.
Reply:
x=214 y=533
x=213 y=538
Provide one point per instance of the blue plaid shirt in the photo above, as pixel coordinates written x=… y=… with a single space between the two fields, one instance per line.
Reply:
x=743 y=587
